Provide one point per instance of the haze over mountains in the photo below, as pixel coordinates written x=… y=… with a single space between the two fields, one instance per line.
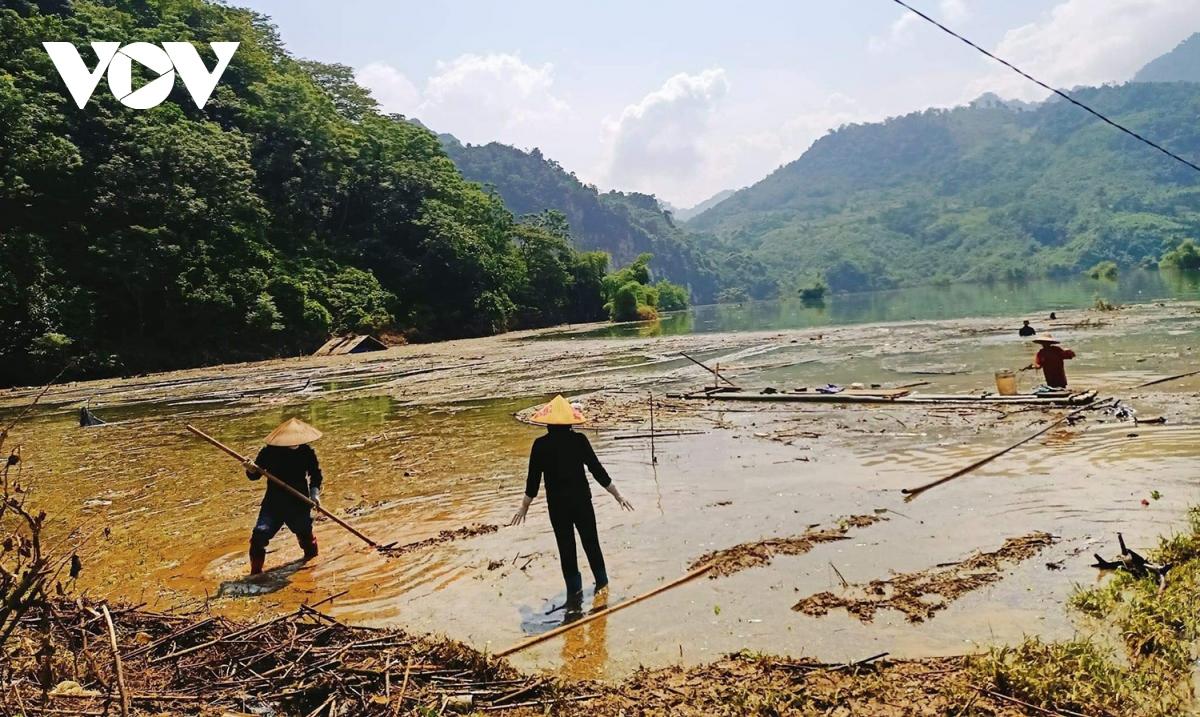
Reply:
x=995 y=190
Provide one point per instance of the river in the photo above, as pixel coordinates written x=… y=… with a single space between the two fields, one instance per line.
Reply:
x=421 y=439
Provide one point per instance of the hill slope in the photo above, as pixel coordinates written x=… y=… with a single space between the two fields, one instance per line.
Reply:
x=1179 y=65
x=976 y=193
x=287 y=208
x=622 y=224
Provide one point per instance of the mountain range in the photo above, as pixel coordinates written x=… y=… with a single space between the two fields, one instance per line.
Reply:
x=998 y=189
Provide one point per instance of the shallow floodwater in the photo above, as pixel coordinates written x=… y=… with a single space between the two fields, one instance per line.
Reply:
x=179 y=513
x=1035 y=298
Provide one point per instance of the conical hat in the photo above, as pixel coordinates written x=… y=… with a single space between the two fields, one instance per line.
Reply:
x=557 y=413
x=1045 y=339
x=293 y=432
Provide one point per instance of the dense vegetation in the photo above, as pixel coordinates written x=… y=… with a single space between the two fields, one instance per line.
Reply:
x=631 y=296
x=624 y=224
x=288 y=208
x=991 y=191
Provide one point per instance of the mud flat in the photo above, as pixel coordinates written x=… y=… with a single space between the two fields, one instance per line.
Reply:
x=423 y=442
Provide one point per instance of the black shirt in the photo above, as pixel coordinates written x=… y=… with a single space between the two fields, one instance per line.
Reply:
x=297 y=467
x=1027 y=330
x=560 y=456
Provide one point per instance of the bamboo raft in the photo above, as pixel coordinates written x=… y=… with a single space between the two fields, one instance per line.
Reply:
x=872 y=396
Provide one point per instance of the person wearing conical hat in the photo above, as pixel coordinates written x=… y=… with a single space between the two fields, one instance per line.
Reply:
x=559 y=457
x=1051 y=360
x=288 y=457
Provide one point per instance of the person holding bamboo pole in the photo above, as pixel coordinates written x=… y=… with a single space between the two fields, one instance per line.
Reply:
x=286 y=456
x=560 y=457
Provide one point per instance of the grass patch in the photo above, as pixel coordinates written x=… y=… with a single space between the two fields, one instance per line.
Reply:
x=1158 y=630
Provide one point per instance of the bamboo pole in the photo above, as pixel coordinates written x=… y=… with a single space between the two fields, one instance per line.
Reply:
x=295 y=493
x=605 y=612
x=912 y=493
x=1168 y=378
x=120 y=670
x=710 y=370
x=653 y=455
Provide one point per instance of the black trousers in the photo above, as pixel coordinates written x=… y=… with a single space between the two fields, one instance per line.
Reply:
x=567 y=520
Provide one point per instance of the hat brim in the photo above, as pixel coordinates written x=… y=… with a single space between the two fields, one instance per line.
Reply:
x=292 y=433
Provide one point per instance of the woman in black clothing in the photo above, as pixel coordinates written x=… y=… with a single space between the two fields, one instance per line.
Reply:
x=560 y=456
x=288 y=457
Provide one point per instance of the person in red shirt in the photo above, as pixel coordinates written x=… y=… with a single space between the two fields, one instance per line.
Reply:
x=1050 y=359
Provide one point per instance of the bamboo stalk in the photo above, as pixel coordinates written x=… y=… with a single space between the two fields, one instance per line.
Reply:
x=1168 y=378
x=112 y=642
x=605 y=612
x=710 y=370
x=912 y=493
x=295 y=493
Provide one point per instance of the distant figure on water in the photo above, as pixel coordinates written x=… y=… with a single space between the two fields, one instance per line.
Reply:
x=1050 y=359
x=288 y=457
x=1027 y=330
x=560 y=456
x=1053 y=316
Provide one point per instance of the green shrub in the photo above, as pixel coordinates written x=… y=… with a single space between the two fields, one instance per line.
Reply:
x=1104 y=270
x=1186 y=256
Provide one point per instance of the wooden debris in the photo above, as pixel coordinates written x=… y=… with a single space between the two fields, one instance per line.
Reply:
x=299 y=663
x=1132 y=563
x=907 y=592
x=727 y=561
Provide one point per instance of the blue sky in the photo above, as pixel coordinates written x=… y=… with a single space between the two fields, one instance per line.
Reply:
x=684 y=99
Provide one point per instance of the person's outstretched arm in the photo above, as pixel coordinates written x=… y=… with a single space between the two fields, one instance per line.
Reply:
x=532 y=482
x=601 y=475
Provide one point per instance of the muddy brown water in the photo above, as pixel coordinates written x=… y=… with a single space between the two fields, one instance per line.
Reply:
x=407 y=456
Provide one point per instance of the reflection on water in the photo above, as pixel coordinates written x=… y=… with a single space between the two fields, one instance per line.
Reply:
x=920 y=303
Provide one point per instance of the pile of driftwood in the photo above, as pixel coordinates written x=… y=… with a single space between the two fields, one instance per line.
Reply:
x=89 y=659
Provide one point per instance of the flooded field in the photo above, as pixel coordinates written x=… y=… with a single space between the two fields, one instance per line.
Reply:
x=422 y=439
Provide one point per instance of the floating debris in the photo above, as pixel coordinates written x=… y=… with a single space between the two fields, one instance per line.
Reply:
x=905 y=592
x=744 y=556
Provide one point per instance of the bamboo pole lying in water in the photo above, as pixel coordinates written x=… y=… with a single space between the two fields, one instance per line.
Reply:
x=295 y=493
x=911 y=493
x=605 y=612
x=1157 y=381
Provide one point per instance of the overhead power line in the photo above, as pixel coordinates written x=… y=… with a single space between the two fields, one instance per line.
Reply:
x=1038 y=82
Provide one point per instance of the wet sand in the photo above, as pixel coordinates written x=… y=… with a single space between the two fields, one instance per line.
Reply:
x=422 y=439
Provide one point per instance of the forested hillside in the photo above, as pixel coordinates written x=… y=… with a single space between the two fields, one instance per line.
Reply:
x=623 y=224
x=1179 y=65
x=977 y=193
x=287 y=209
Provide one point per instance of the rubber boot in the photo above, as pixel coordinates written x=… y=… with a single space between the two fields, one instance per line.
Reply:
x=574 y=586
x=258 y=556
x=601 y=579
x=308 y=543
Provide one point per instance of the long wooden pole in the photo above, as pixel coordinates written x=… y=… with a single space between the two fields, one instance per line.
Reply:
x=914 y=492
x=605 y=612
x=1157 y=381
x=710 y=370
x=295 y=493
x=119 y=669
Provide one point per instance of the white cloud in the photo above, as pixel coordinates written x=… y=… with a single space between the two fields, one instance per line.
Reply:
x=657 y=143
x=390 y=88
x=738 y=156
x=903 y=28
x=478 y=98
x=1089 y=42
